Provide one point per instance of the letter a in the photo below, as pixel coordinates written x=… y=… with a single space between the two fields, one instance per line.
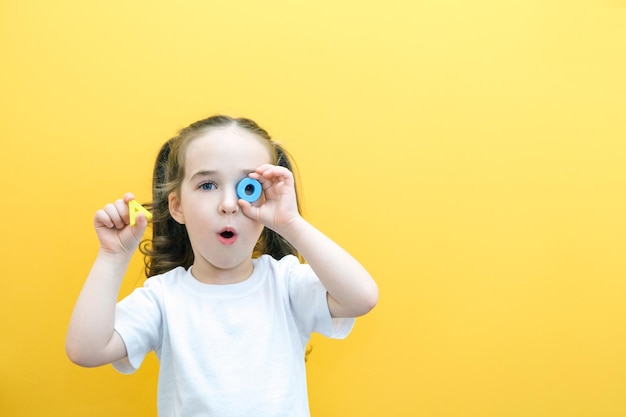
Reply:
x=134 y=207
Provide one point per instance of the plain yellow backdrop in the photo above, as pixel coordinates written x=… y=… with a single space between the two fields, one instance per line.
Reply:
x=470 y=154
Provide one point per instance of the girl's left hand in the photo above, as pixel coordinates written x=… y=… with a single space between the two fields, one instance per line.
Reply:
x=278 y=208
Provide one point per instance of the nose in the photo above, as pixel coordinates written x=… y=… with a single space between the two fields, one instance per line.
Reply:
x=229 y=202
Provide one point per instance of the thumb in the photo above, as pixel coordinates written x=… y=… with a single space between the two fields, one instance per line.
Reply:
x=131 y=236
x=141 y=224
x=249 y=210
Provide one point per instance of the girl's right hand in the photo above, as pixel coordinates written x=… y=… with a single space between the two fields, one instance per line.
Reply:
x=113 y=228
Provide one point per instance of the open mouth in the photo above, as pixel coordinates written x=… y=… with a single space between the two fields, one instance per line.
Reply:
x=227 y=236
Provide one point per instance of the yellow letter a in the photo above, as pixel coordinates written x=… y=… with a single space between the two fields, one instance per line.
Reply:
x=134 y=207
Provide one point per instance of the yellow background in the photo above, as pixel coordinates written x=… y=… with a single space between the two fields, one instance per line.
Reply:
x=471 y=154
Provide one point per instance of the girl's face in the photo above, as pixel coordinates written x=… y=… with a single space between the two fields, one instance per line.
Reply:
x=221 y=236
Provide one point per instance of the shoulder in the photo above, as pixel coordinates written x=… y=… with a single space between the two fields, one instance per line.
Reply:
x=286 y=267
x=156 y=289
x=166 y=281
x=268 y=261
x=288 y=273
x=166 y=278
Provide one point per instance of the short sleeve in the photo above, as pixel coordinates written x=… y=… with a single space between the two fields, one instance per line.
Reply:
x=309 y=302
x=138 y=321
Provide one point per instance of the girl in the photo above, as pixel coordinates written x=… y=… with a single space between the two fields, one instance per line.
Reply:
x=228 y=308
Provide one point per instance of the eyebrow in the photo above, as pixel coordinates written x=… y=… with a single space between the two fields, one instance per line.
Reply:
x=203 y=174
x=212 y=173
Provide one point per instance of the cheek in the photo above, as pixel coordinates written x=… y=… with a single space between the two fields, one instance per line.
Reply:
x=257 y=228
x=198 y=217
x=254 y=230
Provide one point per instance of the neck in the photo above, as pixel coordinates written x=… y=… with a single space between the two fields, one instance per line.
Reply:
x=211 y=274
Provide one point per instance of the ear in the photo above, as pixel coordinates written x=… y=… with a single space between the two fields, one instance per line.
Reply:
x=175 y=209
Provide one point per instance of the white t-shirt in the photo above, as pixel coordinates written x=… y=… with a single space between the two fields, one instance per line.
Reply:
x=229 y=350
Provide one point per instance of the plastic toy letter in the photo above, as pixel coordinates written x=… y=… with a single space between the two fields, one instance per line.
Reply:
x=134 y=207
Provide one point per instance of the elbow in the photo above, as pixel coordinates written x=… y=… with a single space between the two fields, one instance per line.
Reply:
x=78 y=355
x=357 y=304
x=369 y=299
x=75 y=355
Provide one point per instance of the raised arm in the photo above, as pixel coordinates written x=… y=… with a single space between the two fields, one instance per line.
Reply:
x=351 y=289
x=91 y=339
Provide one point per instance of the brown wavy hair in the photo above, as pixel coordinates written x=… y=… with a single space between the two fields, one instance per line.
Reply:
x=169 y=246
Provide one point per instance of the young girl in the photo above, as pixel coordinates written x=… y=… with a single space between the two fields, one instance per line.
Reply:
x=228 y=308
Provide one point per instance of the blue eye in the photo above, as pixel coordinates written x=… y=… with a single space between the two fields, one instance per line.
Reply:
x=208 y=186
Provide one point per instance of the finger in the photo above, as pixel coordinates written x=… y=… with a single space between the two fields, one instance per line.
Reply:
x=248 y=210
x=141 y=223
x=101 y=218
x=128 y=197
x=124 y=211
x=259 y=173
x=113 y=211
x=278 y=174
x=263 y=168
